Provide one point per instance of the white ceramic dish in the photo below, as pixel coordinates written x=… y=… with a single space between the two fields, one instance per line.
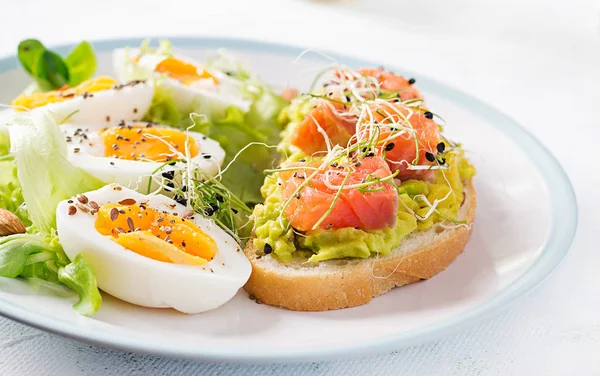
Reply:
x=526 y=220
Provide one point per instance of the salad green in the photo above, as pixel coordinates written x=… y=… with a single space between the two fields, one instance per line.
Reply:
x=232 y=127
x=50 y=71
x=45 y=177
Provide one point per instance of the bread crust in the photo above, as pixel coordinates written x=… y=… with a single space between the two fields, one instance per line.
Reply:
x=344 y=284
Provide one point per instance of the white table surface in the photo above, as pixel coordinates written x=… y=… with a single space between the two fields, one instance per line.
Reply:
x=539 y=63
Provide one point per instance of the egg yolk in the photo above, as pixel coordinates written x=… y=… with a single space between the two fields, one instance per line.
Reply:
x=35 y=100
x=182 y=71
x=157 y=235
x=145 y=142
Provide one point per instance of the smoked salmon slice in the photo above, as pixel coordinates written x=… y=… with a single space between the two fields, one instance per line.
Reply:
x=400 y=151
x=389 y=81
x=374 y=209
x=331 y=120
x=327 y=117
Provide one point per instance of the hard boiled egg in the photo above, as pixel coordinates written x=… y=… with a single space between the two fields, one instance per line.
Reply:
x=192 y=87
x=152 y=251
x=99 y=100
x=131 y=153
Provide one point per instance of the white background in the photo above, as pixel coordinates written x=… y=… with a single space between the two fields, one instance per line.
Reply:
x=537 y=60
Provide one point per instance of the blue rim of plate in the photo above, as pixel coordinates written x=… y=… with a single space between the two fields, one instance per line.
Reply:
x=562 y=232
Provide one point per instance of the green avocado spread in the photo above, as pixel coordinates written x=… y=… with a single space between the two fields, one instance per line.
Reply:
x=274 y=233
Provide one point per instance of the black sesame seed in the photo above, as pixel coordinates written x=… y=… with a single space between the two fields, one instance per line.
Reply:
x=180 y=200
x=370 y=155
x=267 y=249
x=358 y=164
x=428 y=115
x=207 y=156
x=430 y=157
x=214 y=206
x=168 y=175
x=389 y=146
x=441 y=147
x=442 y=160
x=218 y=197
x=234 y=211
x=209 y=211
x=412 y=81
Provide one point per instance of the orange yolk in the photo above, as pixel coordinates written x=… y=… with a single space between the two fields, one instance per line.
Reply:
x=35 y=100
x=182 y=71
x=156 y=235
x=141 y=142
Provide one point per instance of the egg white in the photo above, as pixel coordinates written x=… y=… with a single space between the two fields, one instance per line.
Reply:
x=87 y=153
x=146 y=282
x=108 y=107
x=202 y=96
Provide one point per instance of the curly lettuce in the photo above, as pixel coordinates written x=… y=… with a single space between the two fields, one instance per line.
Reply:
x=234 y=128
x=45 y=177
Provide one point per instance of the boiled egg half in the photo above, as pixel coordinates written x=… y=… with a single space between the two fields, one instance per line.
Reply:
x=99 y=100
x=131 y=153
x=151 y=251
x=192 y=86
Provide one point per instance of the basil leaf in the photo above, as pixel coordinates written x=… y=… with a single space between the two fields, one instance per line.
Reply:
x=51 y=71
x=81 y=63
x=29 y=52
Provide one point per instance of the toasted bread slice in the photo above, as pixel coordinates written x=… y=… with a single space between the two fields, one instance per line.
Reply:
x=336 y=284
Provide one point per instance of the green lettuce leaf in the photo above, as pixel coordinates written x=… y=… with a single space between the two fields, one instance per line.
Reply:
x=46 y=177
x=11 y=194
x=42 y=257
x=79 y=277
x=4 y=139
x=234 y=129
x=45 y=174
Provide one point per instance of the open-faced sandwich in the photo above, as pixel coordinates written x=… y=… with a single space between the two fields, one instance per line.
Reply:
x=370 y=197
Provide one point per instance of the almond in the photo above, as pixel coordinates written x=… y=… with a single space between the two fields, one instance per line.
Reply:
x=10 y=224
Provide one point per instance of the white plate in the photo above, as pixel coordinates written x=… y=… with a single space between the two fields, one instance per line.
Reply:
x=526 y=219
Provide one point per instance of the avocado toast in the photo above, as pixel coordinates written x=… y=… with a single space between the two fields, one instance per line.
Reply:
x=370 y=197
